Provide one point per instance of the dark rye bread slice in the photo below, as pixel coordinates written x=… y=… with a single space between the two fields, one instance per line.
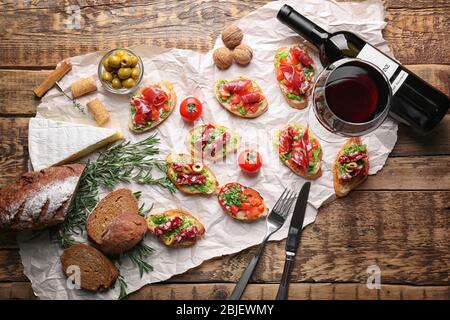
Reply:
x=39 y=199
x=97 y=272
x=121 y=201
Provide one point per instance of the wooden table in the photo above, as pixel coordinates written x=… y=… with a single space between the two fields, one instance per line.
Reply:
x=397 y=220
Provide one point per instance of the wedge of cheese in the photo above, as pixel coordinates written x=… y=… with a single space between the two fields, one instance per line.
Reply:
x=53 y=143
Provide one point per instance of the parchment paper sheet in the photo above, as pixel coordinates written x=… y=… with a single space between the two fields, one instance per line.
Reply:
x=193 y=74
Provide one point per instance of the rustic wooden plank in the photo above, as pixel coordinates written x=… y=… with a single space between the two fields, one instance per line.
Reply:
x=17 y=98
x=416 y=34
x=404 y=233
x=297 y=291
x=419 y=35
x=11 y=268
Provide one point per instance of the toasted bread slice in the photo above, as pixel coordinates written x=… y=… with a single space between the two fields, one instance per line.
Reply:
x=211 y=185
x=171 y=239
x=317 y=170
x=114 y=204
x=167 y=87
x=241 y=215
x=97 y=272
x=230 y=147
x=263 y=104
x=340 y=189
x=297 y=104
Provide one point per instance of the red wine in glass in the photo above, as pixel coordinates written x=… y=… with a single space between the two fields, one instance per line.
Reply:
x=351 y=97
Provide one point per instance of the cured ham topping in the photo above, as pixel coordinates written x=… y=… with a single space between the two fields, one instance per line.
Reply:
x=291 y=71
x=148 y=105
x=242 y=94
x=190 y=179
x=347 y=158
x=207 y=132
x=238 y=86
x=218 y=144
x=188 y=233
x=170 y=225
x=297 y=148
x=346 y=177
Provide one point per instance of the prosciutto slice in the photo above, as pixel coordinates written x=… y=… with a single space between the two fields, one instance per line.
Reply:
x=155 y=96
x=208 y=131
x=218 y=144
x=251 y=98
x=170 y=225
x=188 y=233
x=190 y=179
x=238 y=86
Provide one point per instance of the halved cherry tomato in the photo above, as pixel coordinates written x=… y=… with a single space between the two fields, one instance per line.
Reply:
x=234 y=209
x=235 y=99
x=191 y=109
x=250 y=161
x=280 y=75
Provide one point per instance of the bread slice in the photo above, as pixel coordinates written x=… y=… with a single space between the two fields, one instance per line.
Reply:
x=211 y=180
x=317 y=169
x=230 y=147
x=121 y=201
x=167 y=87
x=340 y=189
x=52 y=143
x=263 y=107
x=171 y=241
x=97 y=272
x=291 y=102
x=123 y=233
x=39 y=199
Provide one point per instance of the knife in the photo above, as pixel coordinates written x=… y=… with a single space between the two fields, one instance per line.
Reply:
x=293 y=240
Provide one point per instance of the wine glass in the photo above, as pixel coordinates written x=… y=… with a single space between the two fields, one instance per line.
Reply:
x=351 y=97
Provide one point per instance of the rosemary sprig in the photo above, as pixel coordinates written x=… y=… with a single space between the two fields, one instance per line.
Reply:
x=138 y=256
x=122 y=162
x=123 y=287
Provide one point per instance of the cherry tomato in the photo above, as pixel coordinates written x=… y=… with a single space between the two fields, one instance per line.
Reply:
x=191 y=109
x=250 y=161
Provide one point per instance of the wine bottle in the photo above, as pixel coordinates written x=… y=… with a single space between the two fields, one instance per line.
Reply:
x=414 y=103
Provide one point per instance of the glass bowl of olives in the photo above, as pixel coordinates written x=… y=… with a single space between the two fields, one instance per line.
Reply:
x=120 y=71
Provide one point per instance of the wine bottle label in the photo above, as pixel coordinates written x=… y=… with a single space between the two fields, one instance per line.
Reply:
x=387 y=65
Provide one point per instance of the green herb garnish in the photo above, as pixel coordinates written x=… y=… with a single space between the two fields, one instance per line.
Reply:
x=233 y=196
x=293 y=96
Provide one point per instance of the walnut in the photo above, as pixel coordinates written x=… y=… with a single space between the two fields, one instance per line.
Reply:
x=242 y=54
x=222 y=58
x=232 y=36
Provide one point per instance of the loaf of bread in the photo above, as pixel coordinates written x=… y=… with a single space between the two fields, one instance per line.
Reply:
x=96 y=272
x=114 y=225
x=38 y=199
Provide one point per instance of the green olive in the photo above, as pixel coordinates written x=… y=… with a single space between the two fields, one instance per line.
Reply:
x=114 y=62
x=125 y=61
x=134 y=61
x=120 y=53
x=105 y=64
x=107 y=76
x=116 y=83
x=128 y=83
x=124 y=73
x=135 y=73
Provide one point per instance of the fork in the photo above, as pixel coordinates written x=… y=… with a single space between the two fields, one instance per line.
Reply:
x=274 y=222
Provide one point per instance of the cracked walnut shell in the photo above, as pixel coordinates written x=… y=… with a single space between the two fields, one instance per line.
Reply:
x=232 y=36
x=222 y=58
x=242 y=54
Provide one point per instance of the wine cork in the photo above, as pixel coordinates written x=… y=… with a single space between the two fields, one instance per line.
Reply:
x=83 y=86
x=56 y=75
x=101 y=115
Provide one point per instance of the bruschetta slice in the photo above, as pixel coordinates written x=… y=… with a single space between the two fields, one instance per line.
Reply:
x=294 y=69
x=151 y=105
x=176 y=227
x=241 y=96
x=189 y=175
x=300 y=150
x=241 y=203
x=212 y=141
x=351 y=166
